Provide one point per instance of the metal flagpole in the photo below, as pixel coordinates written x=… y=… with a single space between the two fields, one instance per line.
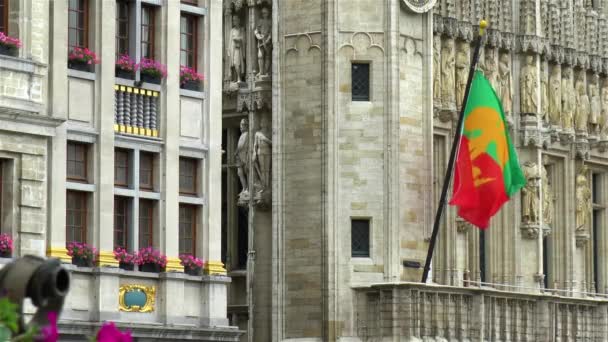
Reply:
x=448 y=174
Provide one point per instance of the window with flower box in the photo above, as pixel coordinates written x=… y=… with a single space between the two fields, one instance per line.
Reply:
x=76 y=216
x=78 y=26
x=122 y=28
x=188 y=40
x=187 y=229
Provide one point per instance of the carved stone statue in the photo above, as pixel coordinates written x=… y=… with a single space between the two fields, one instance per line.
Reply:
x=583 y=200
x=528 y=83
x=547 y=198
x=437 y=68
x=530 y=195
x=504 y=69
x=447 y=73
x=236 y=50
x=490 y=68
x=462 y=71
x=555 y=95
x=242 y=160
x=568 y=100
x=604 y=116
x=596 y=105
x=263 y=34
x=262 y=155
x=544 y=95
x=582 y=104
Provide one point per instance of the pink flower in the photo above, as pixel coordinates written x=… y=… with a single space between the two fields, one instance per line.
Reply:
x=50 y=333
x=109 y=333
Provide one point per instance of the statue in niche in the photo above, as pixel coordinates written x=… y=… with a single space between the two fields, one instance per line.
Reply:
x=490 y=68
x=530 y=195
x=462 y=71
x=504 y=69
x=582 y=104
x=262 y=157
x=583 y=200
x=555 y=95
x=547 y=196
x=568 y=100
x=596 y=105
x=544 y=95
x=604 y=115
x=236 y=50
x=263 y=34
x=437 y=68
x=528 y=86
x=447 y=73
x=242 y=161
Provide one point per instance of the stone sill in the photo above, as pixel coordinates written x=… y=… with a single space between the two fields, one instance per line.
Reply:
x=193 y=9
x=22 y=65
x=146 y=275
x=81 y=74
x=131 y=83
x=193 y=94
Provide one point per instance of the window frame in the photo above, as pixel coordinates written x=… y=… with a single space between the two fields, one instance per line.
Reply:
x=85 y=177
x=358 y=97
x=359 y=253
x=194 y=36
x=84 y=200
x=126 y=219
x=127 y=167
x=149 y=187
x=190 y=2
x=194 y=191
x=151 y=30
x=84 y=29
x=4 y=13
x=193 y=227
x=150 y=225
x=118 y=20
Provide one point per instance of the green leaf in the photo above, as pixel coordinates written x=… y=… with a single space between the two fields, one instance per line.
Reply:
x=8 y=314
x=28 y=336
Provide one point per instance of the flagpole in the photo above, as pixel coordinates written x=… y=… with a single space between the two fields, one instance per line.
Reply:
x=448 y=174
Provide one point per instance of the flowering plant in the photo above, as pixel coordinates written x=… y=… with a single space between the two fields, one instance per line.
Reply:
x=126 y=63
x=109 y=333
x=122 y=255
x=191 y=261
x=152 y=68
x=149 y=255
x=82 y=250
x=83 y=55
x=6 y=243
x=9 y=41
x=189 y=74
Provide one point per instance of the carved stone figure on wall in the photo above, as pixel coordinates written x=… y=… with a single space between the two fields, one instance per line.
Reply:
x=582 y=104
x=555 y=95
x=568 y=100
x=596 y=105
x=528 y=86
x=437 y=68
x=236 y=50
x=242 y=161
x=530 y=195
x=604 y=116
x=504 y=69
x=490 y=68
x=462 y=71
x=263 y=34
x=447 y=74
x=583 y=200
x=544 y=95
x=262 y=157
x=547 y=197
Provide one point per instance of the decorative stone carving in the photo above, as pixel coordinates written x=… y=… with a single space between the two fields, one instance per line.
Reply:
x=437 y=70
x=462 y=71
x=447 y=74
x=568 y=101
x=596 y=106
x=462 y=226
x=582 y=105
x=490 y=69
x=604 y=115
x=236 y=50
x=547 y=198
x=528 y=83
x=242 y=162
x=465 y=31
x=505 y=92
x=530 y=195
x=262 y=157
x=555 y=96
x=263 y=35
x=544 y=95
x=583 y=200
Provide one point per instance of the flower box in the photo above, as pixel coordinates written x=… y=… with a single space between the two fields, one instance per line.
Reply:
x=191 y=85
x=82 y=59
x=83 y=255
x=8 y=50
x=150 y=267
x=192 y=265
x=6 y=254
x=155 y=79
x=126 y=74
x=127 y=266
x=125 y=67
x=152 y=71
x=193 y=271
x=150 y=260
x=190 y=79
x=9 y=45
x=80 y=66
x=6 y=246
x=82 y=262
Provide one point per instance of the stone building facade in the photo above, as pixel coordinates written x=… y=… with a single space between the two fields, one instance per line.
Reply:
x=88 y=156
x=363 y=98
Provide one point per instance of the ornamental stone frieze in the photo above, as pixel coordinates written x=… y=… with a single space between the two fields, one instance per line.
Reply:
x=465 y=31
x=529 y=43
x=450 y=27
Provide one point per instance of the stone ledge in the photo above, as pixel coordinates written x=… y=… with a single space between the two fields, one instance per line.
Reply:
x=193 y=9
x=28 y=123
x=213 y=279
x=193 y=94
x=82 y=74
x=22 y=65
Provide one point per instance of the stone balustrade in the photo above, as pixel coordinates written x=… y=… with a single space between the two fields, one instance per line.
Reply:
x=414 y=312
x=136 y=111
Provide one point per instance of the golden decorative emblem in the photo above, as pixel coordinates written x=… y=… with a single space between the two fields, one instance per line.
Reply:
x=141 y=298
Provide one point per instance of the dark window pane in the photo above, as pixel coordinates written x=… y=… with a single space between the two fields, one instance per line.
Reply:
x=76 y=165
x=147 y=31
x=360 y=238
x=121 y=167
x=188 y=41
x=146 y=172
x=187 y=175
x=77 y=23
x=4 y=16
x=146 y=219
x=360 y=81
x=121 y=221
x=187 y=229
x=76 y=216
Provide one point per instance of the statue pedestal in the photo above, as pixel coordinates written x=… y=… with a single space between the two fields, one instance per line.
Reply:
x=566 y=137
x=530 y=133
x=530 y=230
